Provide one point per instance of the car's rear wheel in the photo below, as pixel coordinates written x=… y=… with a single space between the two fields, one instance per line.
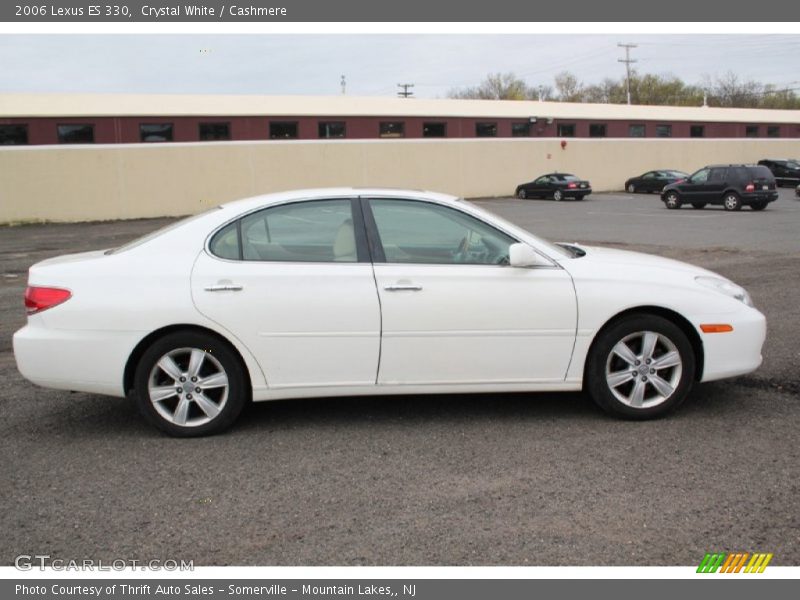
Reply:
x=631 y=188
x=698 y=205
x=732 y=201
x=521 y=194
x=673 y=200
x=558 y=195
x=190 y=384
x=641 y=367
x=758 y=205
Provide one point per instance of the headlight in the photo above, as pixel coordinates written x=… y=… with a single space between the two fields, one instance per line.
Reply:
x=726 y=287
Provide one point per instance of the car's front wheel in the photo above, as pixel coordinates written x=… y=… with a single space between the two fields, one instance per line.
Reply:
x=558 y=195
x=521 y=194
x=673 y=200
x=190 y=384
x=640 y=367
x=631 y=188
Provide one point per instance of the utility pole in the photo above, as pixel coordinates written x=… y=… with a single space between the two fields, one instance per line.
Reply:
x=628 y=62
x=344 y=86
x=405 y=93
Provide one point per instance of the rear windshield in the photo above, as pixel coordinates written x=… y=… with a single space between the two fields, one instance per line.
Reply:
x=568 y=178
x=760 y=172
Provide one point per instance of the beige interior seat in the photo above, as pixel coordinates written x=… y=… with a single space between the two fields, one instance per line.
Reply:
x=344 y=246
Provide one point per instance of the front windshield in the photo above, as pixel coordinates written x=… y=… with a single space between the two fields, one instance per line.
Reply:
x=552 y=249
x=160 y=231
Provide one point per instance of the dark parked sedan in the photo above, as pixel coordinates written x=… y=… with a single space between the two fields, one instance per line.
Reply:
x=797 y=191
x=556 y=186
x=653 y=181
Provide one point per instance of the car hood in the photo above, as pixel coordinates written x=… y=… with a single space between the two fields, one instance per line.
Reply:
x=625 y=259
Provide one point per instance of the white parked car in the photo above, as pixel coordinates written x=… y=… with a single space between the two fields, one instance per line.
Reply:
x=338 y=292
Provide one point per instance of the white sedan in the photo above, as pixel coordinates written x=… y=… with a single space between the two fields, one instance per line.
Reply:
x=338 y=292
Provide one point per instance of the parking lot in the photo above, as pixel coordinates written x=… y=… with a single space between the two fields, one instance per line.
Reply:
x=502 y=479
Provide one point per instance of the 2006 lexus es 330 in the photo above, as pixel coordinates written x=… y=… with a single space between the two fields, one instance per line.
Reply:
x=371 y=291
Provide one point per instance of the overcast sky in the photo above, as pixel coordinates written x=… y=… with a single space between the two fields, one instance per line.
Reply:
x=372 y=64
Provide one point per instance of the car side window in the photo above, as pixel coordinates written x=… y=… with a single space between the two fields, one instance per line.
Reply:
x=717 y=175
x=700 y=177
x=425 y=233
x=542 y=180
x=650 y=175
x=315 y=231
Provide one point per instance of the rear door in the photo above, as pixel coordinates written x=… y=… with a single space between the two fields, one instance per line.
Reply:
x=294 y=284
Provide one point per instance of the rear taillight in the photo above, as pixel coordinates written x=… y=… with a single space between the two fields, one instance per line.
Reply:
x=750 y=187
x=572 y=186
x=38 y=299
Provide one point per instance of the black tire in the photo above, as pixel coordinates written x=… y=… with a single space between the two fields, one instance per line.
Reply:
x=698 y=205
x=631 y=189
x=673 y=200
x=602 y=357
x=217 y=358
x=521 y=194
x=758 y=205
x=731 y=201
x=558 y=195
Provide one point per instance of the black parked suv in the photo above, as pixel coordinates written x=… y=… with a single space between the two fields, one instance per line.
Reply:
x=732 y=186
x=785 y=170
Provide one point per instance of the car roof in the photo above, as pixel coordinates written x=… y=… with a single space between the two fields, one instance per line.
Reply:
x=731 y=165
x=336 y=192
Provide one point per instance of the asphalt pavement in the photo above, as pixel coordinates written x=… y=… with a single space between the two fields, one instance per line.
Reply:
x=492 y=479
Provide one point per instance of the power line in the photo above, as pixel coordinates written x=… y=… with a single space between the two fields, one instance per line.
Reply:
x=628 y=62
x=405 y=93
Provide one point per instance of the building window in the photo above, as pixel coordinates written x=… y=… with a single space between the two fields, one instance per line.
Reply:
x=751 y=131
x=697 y=131
x=636 y=131
x=155 y=132
x=214 y=131
x=485 y=129
x=520 y=129
x=392 y=129
x=283 y=130
x=332 y=129
x=773 y=131
x=75 y=134
x=597 y=130
x=566 y=130
x=13 y=135
x=434 y=130
x=663 y=131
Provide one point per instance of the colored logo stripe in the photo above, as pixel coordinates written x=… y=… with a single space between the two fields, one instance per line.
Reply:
x=734 y=562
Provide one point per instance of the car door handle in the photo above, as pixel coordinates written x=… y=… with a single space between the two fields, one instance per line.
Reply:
x=403 y=287
x=224 y=288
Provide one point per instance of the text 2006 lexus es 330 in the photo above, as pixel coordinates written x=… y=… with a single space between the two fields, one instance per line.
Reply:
x=371 y=291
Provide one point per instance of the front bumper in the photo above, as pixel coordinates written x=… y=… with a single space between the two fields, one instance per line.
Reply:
x=737 y=352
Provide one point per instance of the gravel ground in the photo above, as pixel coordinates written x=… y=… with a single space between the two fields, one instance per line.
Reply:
x=511 y=479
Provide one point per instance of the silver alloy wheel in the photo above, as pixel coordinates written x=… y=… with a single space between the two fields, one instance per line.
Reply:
x=672 y=200
x=557 y=195
x=644 y=369
x=188 y=387
x=732 y=202
x=631 y=189
x=521 y=194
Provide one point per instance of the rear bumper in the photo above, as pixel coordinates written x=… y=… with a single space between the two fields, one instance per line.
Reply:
x=737 y=352
x=759 y=197
x=75 y=360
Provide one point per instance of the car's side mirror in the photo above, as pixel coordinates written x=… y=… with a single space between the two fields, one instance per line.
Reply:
x=522 y=255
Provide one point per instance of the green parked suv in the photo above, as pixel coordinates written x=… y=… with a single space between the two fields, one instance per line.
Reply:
x=732 y=186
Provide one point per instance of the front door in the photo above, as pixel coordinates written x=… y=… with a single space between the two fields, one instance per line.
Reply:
x=453 y=311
